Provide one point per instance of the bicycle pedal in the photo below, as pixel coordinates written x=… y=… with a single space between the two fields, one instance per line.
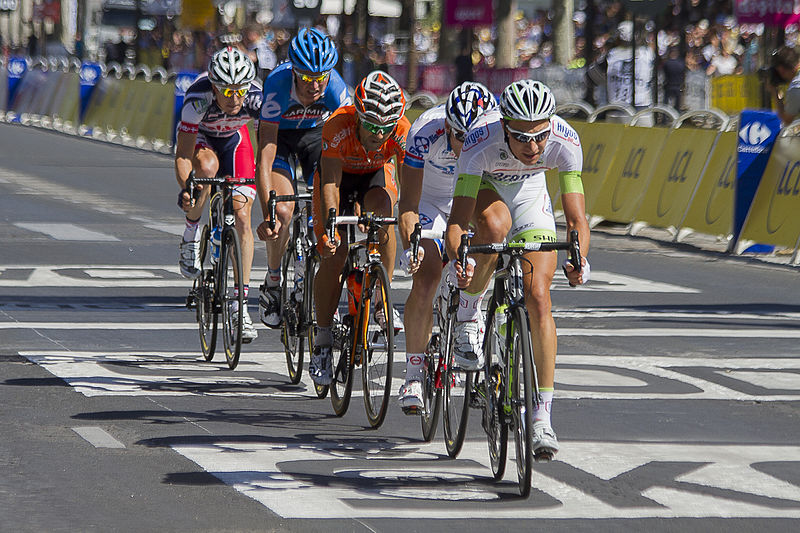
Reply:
x=412 y=410
x=246 y=341
x=190 y=302
x=543 y=456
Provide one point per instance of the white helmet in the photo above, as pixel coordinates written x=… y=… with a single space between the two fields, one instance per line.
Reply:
x=379 y=99
x=231 y=66
x=466 y=103
x=527 y=100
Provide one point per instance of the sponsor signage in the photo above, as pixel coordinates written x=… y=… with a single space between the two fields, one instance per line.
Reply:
x=183 y=81
x=8 y=5
x=17 y=67
x=757 y=133
x=90 y=74
x=778 y=13
x=468 y=13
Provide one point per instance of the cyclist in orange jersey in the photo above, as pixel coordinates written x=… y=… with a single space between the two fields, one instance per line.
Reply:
x=361 y=145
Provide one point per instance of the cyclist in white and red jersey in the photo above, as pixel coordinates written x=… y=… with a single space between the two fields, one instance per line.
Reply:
x=426 y=194
x=501 y=191
x=213 y=140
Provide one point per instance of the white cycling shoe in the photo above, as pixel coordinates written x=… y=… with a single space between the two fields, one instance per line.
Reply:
x=468 y=344
x=189 y=261
x=544 y=443
x=411 y=397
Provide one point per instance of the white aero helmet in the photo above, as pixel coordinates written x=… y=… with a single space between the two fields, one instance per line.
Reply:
x=379 y=99
x=231 y=66
x=527 y=100
x=466 y=103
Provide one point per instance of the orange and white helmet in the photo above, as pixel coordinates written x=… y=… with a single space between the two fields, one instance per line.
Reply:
x=379 y=99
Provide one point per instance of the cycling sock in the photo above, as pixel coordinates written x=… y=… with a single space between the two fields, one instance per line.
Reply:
x=273 y=278
x=323 y=337
x=470 y=305
x=245 y=291
x=414 y=366
x=545 y=406
x=192 y=230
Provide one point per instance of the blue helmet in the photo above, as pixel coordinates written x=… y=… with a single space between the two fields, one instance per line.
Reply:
x=313 y=51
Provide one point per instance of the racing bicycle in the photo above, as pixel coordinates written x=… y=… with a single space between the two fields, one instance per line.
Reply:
x=363 y=336
x=218 y=290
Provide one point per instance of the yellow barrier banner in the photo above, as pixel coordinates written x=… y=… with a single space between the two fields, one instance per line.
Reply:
x=711 y=208
x=675 y=176
x=103 y=104
x=623 y=189
x=156 y=118
x=67 y=103
x=599 y=141
x=735 y=92
x=132 y=104
x=773 y=216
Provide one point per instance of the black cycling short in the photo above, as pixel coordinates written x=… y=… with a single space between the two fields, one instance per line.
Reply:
x=303 y=145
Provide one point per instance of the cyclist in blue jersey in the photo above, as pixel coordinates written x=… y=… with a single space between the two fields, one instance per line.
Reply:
x=298 y=96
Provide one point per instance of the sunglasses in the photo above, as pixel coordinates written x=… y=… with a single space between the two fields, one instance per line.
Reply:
x=227 y=92
x=524 y=137
x=378 y=130
x=459 y=135
x=311 y=79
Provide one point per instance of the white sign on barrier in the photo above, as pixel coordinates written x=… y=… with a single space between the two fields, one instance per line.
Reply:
x=8 y=5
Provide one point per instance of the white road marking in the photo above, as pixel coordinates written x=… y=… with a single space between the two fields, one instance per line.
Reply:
x=718 y=480
x=66 y=232
x=172 y=229
x=97 y=437
x=681 y=332
x=94 y=373
x=169 y=276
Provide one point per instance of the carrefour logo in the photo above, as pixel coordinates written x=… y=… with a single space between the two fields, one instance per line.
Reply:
x=17 y=66
x=183 y=82
x=755 y=133
x=89 y=74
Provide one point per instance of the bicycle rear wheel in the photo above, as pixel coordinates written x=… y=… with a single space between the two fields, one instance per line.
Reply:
x=431 y=395
x=457 y=388
x=203 y=291
x=231 y=295
x=522 y=392
x=292 y=335
x=341 y=387
x=378 y=322
x=494 y=420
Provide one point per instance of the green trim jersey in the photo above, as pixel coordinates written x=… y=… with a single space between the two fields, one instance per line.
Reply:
x=486 y=157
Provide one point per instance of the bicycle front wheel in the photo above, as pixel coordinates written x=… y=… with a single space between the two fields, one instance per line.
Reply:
x=431 y=395
x=203 y=291
x=231 y=294
x=494 y=419
x=377 y=319
x=292 y=334
x=457 y=388
x=311 y=317
x=521 y=374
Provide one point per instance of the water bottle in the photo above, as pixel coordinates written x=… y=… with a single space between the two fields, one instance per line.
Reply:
x=500 y=317
x=353 y=291
x=216 y=238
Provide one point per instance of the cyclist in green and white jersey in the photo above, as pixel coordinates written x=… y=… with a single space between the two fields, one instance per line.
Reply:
x=502 y=193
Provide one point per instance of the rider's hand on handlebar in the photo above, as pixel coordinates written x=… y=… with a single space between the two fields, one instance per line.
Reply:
x=410 y=264
x=463 y=276
x=185 y=201
x=577 y=278
x=265 y=233
x=327 y=247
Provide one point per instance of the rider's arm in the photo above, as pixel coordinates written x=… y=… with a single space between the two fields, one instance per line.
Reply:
x=184 y=152
x=267 y=147
x=330 y=179
x=575 y=216
x=410 y=192
x=464 y=200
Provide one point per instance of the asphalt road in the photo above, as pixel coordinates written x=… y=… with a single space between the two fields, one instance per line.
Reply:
x=676 y=398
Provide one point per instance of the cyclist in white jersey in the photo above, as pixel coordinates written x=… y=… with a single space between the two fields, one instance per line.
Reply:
x=426 y=193
x=501 y=191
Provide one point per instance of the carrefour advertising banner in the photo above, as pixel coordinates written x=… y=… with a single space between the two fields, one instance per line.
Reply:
x=769 y=12
x=757 y=133
x=468 y=13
